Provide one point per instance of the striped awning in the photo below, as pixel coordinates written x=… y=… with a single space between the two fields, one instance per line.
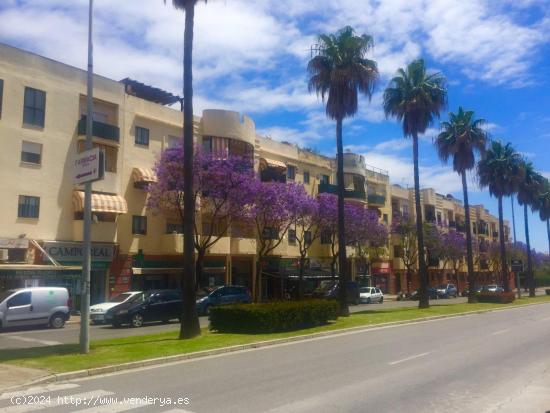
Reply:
x=113 y=204
x=144 y=175
x=271 y=163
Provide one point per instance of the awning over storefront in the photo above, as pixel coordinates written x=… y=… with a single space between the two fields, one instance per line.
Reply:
x=113 y=204
x=271 y=163
x=154 y=271
x=144 y=175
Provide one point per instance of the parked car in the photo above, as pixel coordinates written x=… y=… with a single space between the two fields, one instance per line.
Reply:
x=228 y=294
x=329 y=289
x=34 y=306
x=369 y=295
x=97 y=311
x=447 y=291
x=432 y=293
x=492 y=288
x=477 y=290
x=156 y=305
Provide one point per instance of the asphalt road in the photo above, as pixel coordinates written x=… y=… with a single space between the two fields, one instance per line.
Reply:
x=490 y=362
x=33 y=337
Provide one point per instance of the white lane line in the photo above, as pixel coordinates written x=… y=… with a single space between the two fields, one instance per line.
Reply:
x=62 y=401
x=38 y=389
x=36 y=340
x=178 y=411
x=393 y=363
x=496 y=333
x=545 y=319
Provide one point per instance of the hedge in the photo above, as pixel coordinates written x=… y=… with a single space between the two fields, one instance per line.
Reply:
x=272 y=317
x=493 y=297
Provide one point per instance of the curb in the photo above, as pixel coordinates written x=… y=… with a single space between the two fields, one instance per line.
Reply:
x=59 y=377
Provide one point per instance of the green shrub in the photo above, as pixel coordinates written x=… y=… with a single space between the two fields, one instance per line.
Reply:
x=272 y=317
x=499 y=298
x=542 y=280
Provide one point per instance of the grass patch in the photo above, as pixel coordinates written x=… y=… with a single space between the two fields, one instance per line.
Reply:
x=65 y=358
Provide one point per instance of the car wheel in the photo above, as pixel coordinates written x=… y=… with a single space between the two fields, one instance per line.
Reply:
x=137 y=320
x=381 y=300
x=116 y=324
x=57 y=320
x=368 y=300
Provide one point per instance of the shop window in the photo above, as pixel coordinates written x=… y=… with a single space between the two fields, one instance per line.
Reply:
x=306 y=177
x=34 y=108
x=142 y=136
x=291 y=172
x=292 y=237
x=139 y=225
x=31 y=152
x=29 y=206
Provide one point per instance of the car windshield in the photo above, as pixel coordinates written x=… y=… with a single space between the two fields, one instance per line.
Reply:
x=120 y=298
x=6 y=294
x=364 y=290
x=441 y=287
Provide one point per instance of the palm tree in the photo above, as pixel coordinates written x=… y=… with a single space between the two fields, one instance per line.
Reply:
x=461 y=137
x=414 y=98
x=544 y=207
x=189 y=327
x=529 y=191
x=500 y=170
x=341 y=70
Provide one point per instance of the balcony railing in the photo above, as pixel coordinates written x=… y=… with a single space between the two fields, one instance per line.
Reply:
x=376 y=199
x=99 y=130
x=333 y=189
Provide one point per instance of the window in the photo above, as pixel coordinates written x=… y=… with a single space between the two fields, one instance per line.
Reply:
x=325 y=179
x=306 y=177
x=34 y=107
x=174 y=142
x=29 y=206
x=292 y=237
x=1 y=95
x=307 y=238
x=111 y=154
x=291 y=172
x=31 y=152
x=142 y=136
x=270 y=233
x=326 y=237
x=207 y=144
x=20 y=299
x=172 y=228
x=397 y=251
x=139 y=225
x=385 y=218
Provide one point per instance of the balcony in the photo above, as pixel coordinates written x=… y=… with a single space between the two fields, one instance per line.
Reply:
x=222 y=246
x=99 y=130
x=333 y=189
x=243 y=246
x=377 y=199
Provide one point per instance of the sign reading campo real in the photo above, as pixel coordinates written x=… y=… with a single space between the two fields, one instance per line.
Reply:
x=89 y=166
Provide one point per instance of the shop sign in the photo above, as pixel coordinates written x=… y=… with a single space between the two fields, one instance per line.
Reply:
x=22 y=243
x=73 y=251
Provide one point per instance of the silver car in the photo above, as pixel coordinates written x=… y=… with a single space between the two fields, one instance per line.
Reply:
x=34 y=306
x=369 y=295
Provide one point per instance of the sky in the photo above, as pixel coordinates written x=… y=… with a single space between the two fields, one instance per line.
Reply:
x=251 y=57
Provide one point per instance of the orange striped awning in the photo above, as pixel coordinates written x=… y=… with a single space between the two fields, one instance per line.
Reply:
x=144 y=175
x=113 y=204
x=271 y=163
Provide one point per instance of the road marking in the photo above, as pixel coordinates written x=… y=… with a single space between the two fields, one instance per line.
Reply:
x=113 y=408
x=393 y=363
x=38 y=390
x=545 y=319
x=496 y=333
x=86 y=397
x=178 y=411
x=36 y=340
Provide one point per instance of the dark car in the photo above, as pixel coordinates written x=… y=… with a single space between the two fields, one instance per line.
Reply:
x=155 y=305
x=492 y=288
x=477 y=290
x=330 y=289
x=432 y=292
x=228 y=294
x=447 y=291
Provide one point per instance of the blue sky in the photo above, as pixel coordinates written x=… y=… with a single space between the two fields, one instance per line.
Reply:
x=251 y=57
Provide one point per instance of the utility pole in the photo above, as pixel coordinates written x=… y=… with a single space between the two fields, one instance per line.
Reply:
x=87 y=236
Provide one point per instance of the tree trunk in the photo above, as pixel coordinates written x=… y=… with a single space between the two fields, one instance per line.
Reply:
x=342 y=267
x=424 y=301
x=469 y=254
x=548 y=233
x=189 y=327
x=333 y=270
x=530 y=277
x=259 y=280
x=503 y=266
x=199 y=268
x=301 y=278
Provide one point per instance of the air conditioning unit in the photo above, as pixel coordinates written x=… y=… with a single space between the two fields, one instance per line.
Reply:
x=4 y=254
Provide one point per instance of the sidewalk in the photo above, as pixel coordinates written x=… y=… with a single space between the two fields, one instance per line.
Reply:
x=11 y=376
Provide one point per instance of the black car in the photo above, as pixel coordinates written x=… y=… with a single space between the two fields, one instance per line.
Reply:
x=329 y=289
x=156 y=305
x=227 y=294
x=432 y=293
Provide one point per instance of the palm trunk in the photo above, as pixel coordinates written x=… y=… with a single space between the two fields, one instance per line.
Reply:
x=189 y=318
x=342 y=268
x=469 y=255
x=548 y=233
x=424 y=301
x=301 y=278
x=530 y=278
x=503 y=266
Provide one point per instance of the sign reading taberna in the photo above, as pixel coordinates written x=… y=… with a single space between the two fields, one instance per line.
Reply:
x=89 y=166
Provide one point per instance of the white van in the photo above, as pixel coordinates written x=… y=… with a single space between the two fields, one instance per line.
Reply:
x=34 y=306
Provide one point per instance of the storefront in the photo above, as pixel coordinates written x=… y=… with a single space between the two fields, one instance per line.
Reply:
x=381 y=272
x=71 y=254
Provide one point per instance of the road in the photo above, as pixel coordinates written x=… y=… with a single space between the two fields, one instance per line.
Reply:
x=490 y=362
x=26 y=338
